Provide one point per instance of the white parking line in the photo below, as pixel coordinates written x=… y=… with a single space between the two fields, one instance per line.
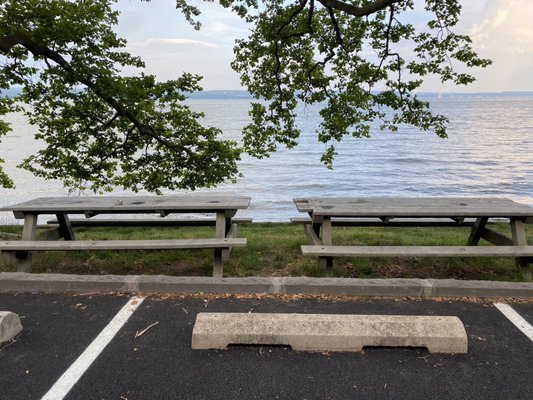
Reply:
x=84 y=361
x=516 y=319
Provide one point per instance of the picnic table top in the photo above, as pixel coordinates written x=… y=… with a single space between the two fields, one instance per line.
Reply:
x=130 y=204
x=414 y=207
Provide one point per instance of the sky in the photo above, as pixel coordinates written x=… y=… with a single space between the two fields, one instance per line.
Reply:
x=500 y=29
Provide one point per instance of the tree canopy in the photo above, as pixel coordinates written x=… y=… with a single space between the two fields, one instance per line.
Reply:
x=359 y=59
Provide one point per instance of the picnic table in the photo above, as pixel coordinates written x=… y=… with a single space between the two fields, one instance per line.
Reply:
x=324 y=213
x=224 y=209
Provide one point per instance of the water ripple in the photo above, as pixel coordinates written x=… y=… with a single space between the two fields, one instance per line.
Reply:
x=488 y=153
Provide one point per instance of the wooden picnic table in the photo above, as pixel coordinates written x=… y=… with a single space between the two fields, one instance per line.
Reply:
x=393 y=211
x=223 y=207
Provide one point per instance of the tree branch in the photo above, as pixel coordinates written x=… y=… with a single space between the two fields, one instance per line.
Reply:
x=9 y=41
x=310 y=17
x=295 y=12
x=365 y=10
x=337 y=28
x=385 y=53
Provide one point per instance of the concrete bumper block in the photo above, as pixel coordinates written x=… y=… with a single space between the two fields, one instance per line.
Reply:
x=10 y=326
x=327 y=332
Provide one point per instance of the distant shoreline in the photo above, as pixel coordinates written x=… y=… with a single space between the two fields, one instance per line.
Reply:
x=244 y=95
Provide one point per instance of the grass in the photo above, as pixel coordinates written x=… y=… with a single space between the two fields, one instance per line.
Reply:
x=273 y=249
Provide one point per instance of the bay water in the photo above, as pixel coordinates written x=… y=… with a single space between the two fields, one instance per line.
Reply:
x=489 y=153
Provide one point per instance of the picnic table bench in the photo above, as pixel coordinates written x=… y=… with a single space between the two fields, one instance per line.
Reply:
x=325 y=213
x=223 y=207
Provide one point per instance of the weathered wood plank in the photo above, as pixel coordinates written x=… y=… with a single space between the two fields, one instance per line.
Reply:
x=129 y=204
x=218 y=267
x=326 y=232
x=220 y=232
x=326 y=262
x=220 y=226
x=300 y=220
x=417 y=251
x=496 y=238
x=29 y=232
x=518 y=231
x=146 y=222
x=232 y=233
x=65 y=228
x=394 y=223
x=37 y=245
x=303 y=204
x=477 y=231
x=414 y=207
x=311 y=235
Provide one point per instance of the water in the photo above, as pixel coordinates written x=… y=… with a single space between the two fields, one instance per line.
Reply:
x=488 y=153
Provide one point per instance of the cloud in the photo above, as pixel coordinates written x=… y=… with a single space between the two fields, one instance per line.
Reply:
x=500 y=30
x=168 y=58
x=221 y=28
x=169 y=45
x=504 y=27
x=170 y=42
x=523 y=35
x=479 y=32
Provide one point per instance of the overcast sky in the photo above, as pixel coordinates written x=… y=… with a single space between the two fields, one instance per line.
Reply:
x=501 y=30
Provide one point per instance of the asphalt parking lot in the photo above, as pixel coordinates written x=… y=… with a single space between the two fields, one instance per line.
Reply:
x=158 y=363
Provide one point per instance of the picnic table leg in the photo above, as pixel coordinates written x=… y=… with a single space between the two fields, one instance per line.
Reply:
x=316 y=229
x=29 y=232
x=326 y=262
x=65 y=228
x=220 y=232
x=232 y=229
x=477 y=231
x=518 y=231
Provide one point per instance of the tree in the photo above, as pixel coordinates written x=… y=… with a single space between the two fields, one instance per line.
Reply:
x=357 y=57
x=103 y=129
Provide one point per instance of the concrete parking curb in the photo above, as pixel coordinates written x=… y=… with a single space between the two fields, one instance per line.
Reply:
x=329 y=332
x=10 y=326
x=27 y=282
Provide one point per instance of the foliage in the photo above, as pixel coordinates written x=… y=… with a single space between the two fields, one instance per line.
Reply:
x=102 y=129
x=359 y=58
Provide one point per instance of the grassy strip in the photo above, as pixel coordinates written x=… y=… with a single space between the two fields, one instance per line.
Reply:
x=274 y=250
